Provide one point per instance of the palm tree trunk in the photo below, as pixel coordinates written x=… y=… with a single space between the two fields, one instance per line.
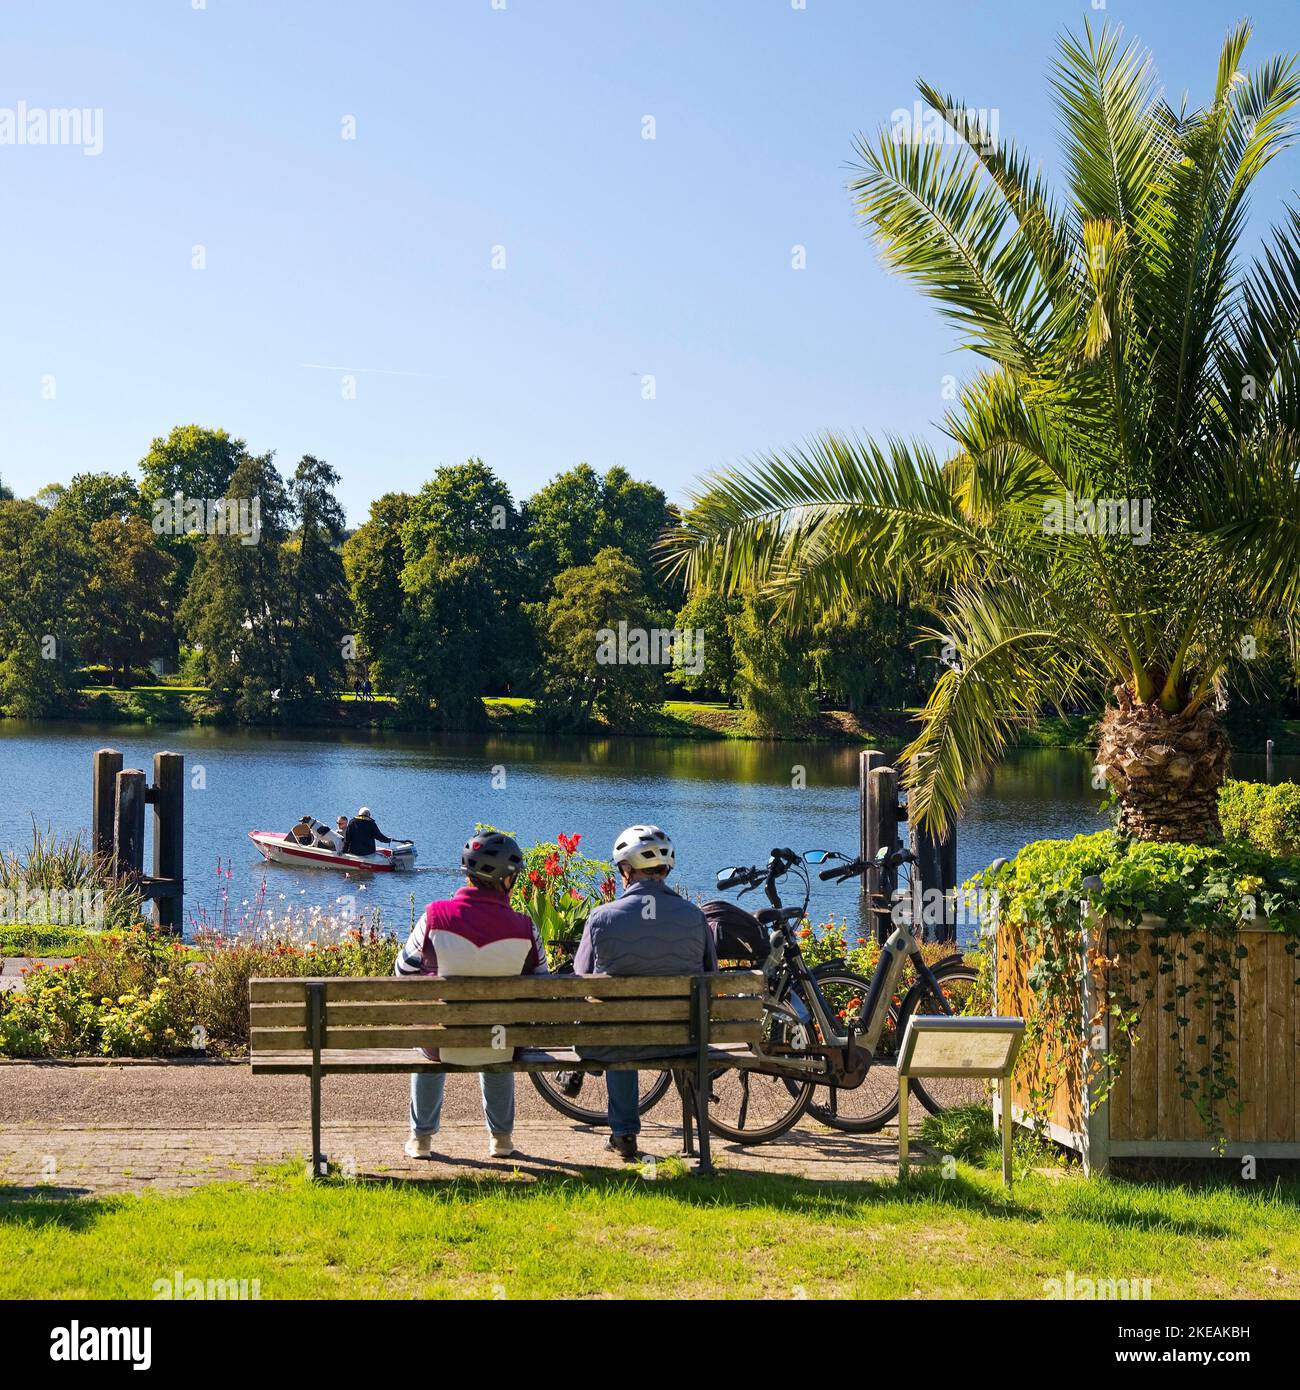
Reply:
x=1166 y=770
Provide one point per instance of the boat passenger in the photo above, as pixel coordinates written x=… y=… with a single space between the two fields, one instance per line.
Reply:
x=474 y=932
x=362 y=832
x=338 y=834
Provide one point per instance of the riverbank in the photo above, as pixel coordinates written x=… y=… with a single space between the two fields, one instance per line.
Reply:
x=890 y=729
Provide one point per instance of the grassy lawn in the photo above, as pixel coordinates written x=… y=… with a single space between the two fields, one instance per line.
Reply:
x=737 y=1235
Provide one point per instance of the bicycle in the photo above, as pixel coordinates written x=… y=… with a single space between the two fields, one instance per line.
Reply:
x=830 y=1036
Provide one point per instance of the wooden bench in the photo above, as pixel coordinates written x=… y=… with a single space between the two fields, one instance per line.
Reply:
x=344 y=1025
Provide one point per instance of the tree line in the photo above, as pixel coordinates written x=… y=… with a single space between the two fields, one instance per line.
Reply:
x=247 y=582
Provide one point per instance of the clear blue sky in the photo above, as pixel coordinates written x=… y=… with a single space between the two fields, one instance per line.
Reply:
x=478 y=127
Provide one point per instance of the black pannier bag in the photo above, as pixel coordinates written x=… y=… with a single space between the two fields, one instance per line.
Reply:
x=737 y=934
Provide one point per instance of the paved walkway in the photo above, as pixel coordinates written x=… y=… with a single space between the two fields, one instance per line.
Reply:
x=82 y=1130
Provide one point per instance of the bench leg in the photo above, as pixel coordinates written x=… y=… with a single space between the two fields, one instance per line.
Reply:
x=682 y=1078
x=316 y=1028
x=701 y=1089
x=700 y=1000
x=318 y=1165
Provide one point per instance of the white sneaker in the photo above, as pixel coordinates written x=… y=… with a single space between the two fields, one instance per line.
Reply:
x=502 y=1145
x=420 y=1146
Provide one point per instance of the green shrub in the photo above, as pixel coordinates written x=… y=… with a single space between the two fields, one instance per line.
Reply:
x=1199 y=894
x=1267 y=817
x=62 y=866
x=143 y=993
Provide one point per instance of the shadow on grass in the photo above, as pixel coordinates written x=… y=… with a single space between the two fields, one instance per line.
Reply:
x=70 y=1208
x=532 y=1179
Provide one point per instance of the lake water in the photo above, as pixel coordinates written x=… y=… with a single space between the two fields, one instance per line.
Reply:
x=723 y=802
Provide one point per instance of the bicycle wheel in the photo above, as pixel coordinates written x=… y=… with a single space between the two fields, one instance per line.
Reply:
x=958 y=983
x=750 y=1107
x=581 y=1095
x=870 y=1106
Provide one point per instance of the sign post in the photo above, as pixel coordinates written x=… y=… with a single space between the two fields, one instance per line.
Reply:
x=940 y=1045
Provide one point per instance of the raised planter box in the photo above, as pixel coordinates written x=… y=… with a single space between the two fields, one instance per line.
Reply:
x=1145 y=1115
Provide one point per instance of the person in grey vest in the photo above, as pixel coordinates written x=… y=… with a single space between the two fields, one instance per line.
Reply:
x=647 y=930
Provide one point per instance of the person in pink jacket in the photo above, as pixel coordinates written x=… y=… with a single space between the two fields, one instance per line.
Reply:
x=474 y=932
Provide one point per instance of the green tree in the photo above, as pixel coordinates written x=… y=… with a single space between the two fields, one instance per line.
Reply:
x=578 y=514
x=197 y=463
x=318 y=609
x=92 y=497
x=713 y=616
x=45 y=564
x=191 y=460
x=235 y=605
x=865 y=655
x=772 y=672
x=129 y=579
x=373 y=560
x=449 y=647
x=580 y=683
x=1121 y=508
x=466 y=511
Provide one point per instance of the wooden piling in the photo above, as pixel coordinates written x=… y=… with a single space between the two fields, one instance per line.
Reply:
x=129 y=823
x=107 y=764
x=868 y=760
x=882 y=832
x=168 y=798
x=936 y=870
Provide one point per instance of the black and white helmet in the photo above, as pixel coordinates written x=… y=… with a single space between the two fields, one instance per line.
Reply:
x=644 y=847
x=491 y=857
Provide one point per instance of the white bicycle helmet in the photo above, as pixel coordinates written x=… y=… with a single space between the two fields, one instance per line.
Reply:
x=644 y=847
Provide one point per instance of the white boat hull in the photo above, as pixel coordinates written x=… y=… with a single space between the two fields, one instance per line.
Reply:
x=275 y=849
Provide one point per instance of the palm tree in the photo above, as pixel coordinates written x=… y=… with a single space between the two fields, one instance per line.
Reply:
x=1120 y=508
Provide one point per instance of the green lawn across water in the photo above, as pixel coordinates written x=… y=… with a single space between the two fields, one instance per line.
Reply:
x=619 y=1235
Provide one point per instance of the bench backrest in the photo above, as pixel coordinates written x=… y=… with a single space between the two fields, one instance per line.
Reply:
x=501 y=1011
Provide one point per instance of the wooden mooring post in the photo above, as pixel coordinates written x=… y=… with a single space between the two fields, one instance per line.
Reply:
x=118 y=802
x=879 y=814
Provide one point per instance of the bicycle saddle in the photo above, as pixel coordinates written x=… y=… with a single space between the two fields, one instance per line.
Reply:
x=769 y=916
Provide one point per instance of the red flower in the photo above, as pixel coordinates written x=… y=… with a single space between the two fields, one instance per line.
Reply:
x=534 y=878
x=607 y=886
x=568 y=843
x=575 y=895
x=552 y=866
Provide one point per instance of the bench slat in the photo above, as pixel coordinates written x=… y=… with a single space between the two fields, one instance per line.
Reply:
x=436 y=1013
x=388 y=1061
x=727 y=984
x=522 y=1035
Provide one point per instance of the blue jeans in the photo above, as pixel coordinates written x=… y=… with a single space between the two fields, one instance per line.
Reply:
x=498 y=1089
x=624 y=1102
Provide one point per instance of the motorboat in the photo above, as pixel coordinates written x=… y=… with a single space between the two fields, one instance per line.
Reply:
x=278 y=848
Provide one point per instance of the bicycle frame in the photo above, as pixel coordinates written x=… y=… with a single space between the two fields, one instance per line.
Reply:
x=857 y=1042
